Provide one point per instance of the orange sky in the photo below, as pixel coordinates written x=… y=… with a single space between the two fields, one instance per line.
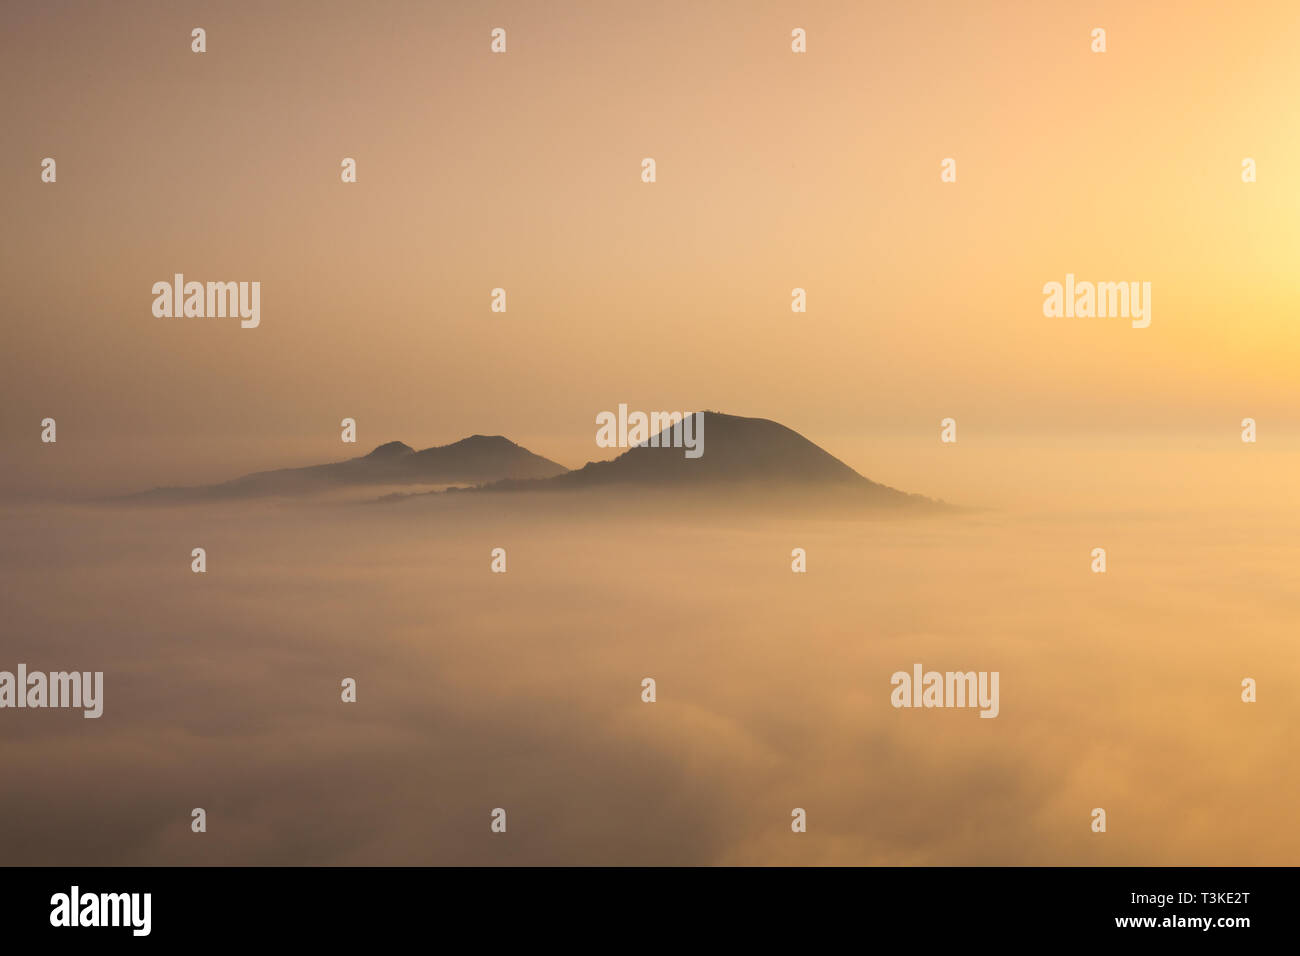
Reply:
x=775 y=170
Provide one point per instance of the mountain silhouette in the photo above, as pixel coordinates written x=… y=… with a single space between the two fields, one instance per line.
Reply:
x=741 y=458
x=476 y=460
x=752 y=453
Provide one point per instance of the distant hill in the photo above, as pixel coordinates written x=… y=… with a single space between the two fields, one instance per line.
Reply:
x=475 y=460
x=737 y=452
x=742 y=458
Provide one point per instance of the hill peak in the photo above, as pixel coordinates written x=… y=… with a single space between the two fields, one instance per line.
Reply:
x=390 y=449
x=501 y=440
x=734 y=451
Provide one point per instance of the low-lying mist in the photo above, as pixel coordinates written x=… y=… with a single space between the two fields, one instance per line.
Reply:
x=522 y=690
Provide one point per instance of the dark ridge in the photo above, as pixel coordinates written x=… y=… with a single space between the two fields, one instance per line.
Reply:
x=478 y=459
x=741 y=457
x=391 y=449
x=745 y=454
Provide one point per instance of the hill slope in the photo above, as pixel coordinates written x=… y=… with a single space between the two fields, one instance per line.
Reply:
x=746 y=452
x=474 y=460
